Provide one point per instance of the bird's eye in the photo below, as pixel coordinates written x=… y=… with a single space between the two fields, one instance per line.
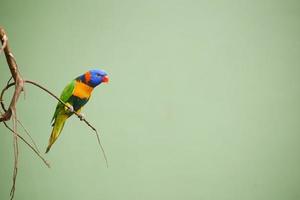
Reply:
x=97 y=74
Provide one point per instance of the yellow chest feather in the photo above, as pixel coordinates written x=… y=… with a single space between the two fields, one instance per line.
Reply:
x=82 y=90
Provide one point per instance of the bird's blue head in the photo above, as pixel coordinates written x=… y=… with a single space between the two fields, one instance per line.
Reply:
x=94 y=77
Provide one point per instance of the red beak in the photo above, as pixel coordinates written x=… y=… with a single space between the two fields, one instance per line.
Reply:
x=105 y=79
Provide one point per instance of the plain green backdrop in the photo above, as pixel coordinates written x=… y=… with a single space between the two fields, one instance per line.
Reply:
x=203 y=102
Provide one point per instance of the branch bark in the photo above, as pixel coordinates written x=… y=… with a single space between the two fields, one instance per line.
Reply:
x=13 y=67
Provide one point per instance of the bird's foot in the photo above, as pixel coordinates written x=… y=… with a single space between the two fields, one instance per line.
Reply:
x=81 y=116
x=69 y=108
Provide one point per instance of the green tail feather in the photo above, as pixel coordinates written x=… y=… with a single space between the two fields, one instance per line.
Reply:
x=57 y=128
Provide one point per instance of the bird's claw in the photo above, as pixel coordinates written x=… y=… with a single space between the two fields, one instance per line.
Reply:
x=81 y=116
x=69 y=107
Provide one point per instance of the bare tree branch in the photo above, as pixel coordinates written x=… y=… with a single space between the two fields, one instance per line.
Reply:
x=11 y=111
x=19 y=83
x=12 y=107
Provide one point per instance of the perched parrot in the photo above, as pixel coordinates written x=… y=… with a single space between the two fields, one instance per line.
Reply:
x=76 y=94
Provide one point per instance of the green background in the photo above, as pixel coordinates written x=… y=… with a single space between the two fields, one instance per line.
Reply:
x=203 y=101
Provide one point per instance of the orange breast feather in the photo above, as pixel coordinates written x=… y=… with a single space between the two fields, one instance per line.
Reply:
x=82 y=90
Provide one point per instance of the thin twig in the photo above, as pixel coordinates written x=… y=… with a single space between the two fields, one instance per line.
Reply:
x=29 y=145
x=16 y=153
x=102 y=149
x=28 y=134
x=8 y=82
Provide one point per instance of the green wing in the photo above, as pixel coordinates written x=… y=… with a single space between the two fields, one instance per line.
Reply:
x=65 y=95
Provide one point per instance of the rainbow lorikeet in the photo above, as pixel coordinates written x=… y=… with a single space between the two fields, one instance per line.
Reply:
x=76 y=94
